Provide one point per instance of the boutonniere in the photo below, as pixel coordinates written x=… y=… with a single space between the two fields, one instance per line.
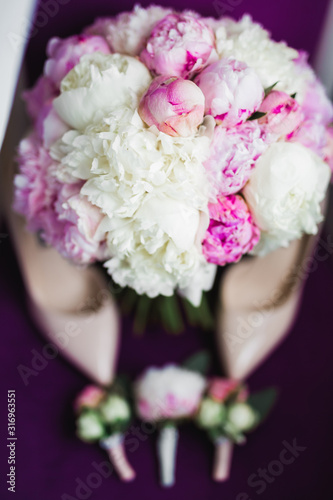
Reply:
x=103 y=416
x=227 y=412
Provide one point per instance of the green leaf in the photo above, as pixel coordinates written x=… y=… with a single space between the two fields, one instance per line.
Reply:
x=293 y=95
x=191 y=312
x=141 y=314
x=199 y=362
x=256 y=115
x=263 y=401
x=128 y=300
x=121 y=385
x=171 y=314
x=214 y=434
x=199 y=316
x=269 y=89
x=206 y=318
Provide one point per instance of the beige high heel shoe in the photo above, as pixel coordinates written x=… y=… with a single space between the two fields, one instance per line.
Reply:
x=258 y=303
x=71 y=305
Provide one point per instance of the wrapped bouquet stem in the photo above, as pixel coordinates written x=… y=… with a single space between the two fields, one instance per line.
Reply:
x=114 y=445
x=103 y=417
x=167 y=450
x=222 y=459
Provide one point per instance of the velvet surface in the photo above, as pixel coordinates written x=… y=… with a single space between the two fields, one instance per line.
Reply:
x=51 y=462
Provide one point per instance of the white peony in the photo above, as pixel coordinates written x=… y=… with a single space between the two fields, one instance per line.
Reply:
x=153 y=190
x=273 y=61
x=168 y=393
x=127 y=33
x=98 y=84
x=284 y=194
x=115 y=408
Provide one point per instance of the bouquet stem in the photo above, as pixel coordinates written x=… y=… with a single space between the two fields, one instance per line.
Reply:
x=114 y=446
x=166 y=449
x=222 y=460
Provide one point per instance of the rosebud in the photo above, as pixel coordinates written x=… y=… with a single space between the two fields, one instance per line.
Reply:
x=241 y=416
x=89 y=397
x=115 y=408
x=220 y=388
x=211 y=413
x=89 y=426
x=174 y=105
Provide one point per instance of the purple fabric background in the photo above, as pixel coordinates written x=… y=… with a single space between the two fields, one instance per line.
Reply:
x=49 y=456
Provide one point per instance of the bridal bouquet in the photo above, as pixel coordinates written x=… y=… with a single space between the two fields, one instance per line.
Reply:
x=165 y=144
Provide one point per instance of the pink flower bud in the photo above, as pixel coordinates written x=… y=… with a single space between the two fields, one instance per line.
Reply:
x=174 y=105
x=221 y=388
x=179 y=45
x=232 y=91
x=89 y=397
x=312 y=135
x=316 y=105
x=283 y=114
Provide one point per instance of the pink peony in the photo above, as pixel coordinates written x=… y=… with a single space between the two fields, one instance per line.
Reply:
x=35 y=190
x=312 y=135
x=316 y=105
x=283 y=114
x=179 y=45
x=328 y=150
x=231 y=232
x=64 y=217
x=233 y=155
x=39 y=96
x=80 y=240
x=89 y=397
x=49 y=125
x=232 y=91
x=174 y=105
x=65 y=54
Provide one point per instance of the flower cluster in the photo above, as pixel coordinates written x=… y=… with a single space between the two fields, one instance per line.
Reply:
x=101 y=413
x=224 y=411
x=165 y=143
